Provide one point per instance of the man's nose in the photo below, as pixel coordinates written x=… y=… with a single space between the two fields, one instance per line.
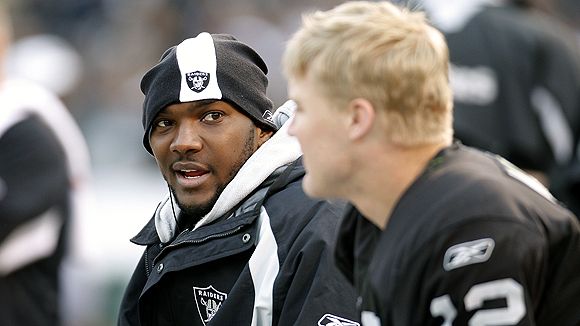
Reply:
x=187 y=138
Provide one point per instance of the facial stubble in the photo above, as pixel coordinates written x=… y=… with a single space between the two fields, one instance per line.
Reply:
x=191 y=214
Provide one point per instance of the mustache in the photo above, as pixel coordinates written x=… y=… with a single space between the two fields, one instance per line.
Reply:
x=189 y=164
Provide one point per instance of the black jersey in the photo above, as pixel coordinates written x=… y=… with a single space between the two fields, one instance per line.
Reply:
x=34 y=214
x=473 y=241
x=516 y=82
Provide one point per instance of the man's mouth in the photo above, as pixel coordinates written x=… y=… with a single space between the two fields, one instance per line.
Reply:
x=190 y=174
x=191 y=178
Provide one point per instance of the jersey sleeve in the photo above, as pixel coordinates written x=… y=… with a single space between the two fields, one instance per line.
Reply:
x=33 y=173
x=556 y=98
x=482 y=273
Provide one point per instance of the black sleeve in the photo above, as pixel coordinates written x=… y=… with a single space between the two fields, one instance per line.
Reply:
x=129 y=308
x=483 y=273
x=557 y=67
x=33 y=173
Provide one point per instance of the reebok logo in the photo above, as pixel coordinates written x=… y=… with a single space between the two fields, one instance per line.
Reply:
x=468 y=253
x=267 y=115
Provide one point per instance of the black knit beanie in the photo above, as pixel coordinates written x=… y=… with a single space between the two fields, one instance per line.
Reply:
x=208 y=66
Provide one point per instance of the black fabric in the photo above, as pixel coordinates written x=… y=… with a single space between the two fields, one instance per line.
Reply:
x=241 y=76
x=34 y=172
x=466 y=196
x=161 y=86
x=523 y=52
x=242 y=79
x=358 y=238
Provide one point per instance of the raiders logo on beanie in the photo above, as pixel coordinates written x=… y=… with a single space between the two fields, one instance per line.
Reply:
x=208 y=66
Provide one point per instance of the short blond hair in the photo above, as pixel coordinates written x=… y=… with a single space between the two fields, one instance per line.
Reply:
x=386 y=54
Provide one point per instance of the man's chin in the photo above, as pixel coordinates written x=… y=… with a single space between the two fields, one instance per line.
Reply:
x=196 y=204
x=192 y=199
x=310 y=189
x=195 y=207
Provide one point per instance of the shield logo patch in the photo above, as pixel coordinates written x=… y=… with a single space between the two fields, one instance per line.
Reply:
x=208 y=301
x=197 y=81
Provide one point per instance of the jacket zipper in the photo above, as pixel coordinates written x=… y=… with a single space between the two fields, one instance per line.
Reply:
x=147 y=272
x=197 y=241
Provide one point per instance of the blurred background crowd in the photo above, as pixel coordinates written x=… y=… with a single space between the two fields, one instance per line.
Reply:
x=92 y=53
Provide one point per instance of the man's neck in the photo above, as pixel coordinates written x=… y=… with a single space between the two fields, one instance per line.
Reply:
x=385 y=177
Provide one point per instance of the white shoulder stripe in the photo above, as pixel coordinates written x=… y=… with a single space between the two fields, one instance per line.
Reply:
x=554 y=124
x=264 y=268
x=30 y=242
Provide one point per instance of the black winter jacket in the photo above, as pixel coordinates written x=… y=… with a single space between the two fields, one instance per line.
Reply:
x=270 y=263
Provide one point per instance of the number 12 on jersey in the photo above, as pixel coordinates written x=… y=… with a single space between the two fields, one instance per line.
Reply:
x=507 y=289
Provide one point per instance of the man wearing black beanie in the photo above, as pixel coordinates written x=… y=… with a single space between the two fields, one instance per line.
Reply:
x=236 y=241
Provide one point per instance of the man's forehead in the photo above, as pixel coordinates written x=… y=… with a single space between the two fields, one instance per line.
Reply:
x=196 y=105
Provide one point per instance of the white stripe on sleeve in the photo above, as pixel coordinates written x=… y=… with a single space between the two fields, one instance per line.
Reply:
x=30 y=242
x=264 y=268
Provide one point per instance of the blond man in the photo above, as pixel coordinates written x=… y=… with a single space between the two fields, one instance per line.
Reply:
x=438 y=233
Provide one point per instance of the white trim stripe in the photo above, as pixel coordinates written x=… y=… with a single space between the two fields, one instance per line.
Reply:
x=264 y=268
x=554 y=124
x=30 y=242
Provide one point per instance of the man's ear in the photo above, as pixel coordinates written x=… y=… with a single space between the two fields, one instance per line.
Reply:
x=263 y=135
x=362 y=116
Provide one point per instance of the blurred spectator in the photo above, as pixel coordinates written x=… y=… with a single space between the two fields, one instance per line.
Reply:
x=44 y=170
x=516 y=81
x=567 y=11
x=42 y=57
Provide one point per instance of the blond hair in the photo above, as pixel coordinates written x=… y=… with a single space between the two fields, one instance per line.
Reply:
x=386 y=54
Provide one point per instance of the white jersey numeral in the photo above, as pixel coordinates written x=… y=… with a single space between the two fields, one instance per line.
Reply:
x=443 y=307
x=369 y=318
x=507 y=289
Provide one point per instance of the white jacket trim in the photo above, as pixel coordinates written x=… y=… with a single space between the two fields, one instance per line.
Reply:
x=264 y=267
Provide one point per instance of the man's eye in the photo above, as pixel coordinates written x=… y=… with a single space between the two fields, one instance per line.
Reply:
x=213 y=116
x=163 y=123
